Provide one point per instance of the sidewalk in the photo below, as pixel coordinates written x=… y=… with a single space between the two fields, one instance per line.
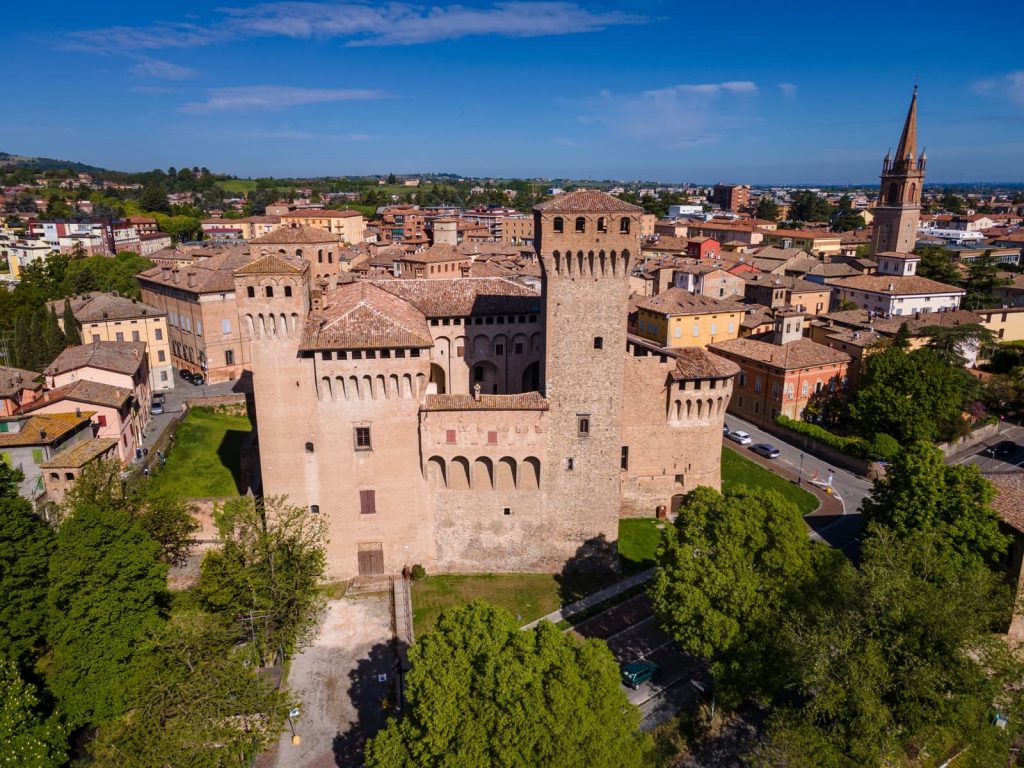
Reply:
x=596 y=598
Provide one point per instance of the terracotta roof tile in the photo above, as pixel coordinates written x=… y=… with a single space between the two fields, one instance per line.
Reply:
x=679 y=301
x=465 y=296
x=901 y=286
x=82 y=391
x=527 y=401
x=301 y=235
x=54 y=425
x=698 y=363
x=321 y=213
x=802 y=353
x=96 y=307
x=117 y=356
x=1009 y=500
x=80 y=454
x=362 y=316
x=274 y=264
x=14 y=380
x=215 y=274
x=587 y=201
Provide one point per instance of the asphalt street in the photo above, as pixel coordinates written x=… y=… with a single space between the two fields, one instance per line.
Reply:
x=990 y=459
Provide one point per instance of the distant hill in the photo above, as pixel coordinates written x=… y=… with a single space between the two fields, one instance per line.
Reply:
x=8 y=160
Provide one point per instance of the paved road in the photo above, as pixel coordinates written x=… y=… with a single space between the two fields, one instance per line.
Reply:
x=987 y=460
x=843 y=533
x=174 y=401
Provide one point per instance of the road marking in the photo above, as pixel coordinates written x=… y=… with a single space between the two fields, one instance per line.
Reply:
x=631 y=626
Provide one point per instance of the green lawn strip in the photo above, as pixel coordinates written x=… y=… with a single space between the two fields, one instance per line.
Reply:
x=205 y=459
x=638 y=542
x=237 y=185
x=738 y=470
x=527 y=596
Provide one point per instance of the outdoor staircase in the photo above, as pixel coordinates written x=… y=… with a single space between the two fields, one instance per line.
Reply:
x=365 y=585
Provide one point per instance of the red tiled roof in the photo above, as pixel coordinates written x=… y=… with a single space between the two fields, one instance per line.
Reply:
x=362 y=316
x=117 y=356
x=52 y=425
x=322 y=213
x=301 y=235
x=678 y=301
x=1009 y=500
x=465 y=296
x=274 y=264
x=587 y=201
x=14 y=380
x=900 y=286
x=802 y=353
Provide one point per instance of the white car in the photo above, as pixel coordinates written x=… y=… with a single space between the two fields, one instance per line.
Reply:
x=740 y=437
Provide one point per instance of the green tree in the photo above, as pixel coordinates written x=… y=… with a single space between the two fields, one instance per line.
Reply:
x=270 y=563
x=195 y=702
x=168 y=520
x=953 y=343
x=809 y=206
x=25 y=547
x=71 y=331
x=392 y=179
x=767 y=209
x=982 y=280
x=910 y=395
x=953 y=203
x=902 y=338
x=53 y=337
x=936 y=264
x=106 y=596
x=920 y=492
x=484 y=692
x=724 y=568
x=27 y=740
x=154 y=199
x=57 y=208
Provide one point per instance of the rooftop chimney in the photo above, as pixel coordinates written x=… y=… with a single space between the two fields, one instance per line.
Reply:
x=191 y=279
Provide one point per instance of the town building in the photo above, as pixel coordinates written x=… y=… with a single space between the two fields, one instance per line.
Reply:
x=474 y=424
x=1007 y=323
x=18 y=387
x=678 y=318
x=777 y=291
x=731 y=197
x=107 y=317
x=29 y=441
x=348 y=225
x=62 y=470
x=782 y=371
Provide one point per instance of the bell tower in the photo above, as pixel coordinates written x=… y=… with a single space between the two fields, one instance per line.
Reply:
x=899 y=202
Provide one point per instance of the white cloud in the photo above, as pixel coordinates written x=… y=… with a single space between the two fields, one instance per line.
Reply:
x=788 y=90
x=677 y=116
x=268 y=97
x=364 y=24
x=1010 y=86
x=163 y=70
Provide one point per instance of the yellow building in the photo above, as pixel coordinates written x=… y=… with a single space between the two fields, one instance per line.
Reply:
x=109 y=317
x=1005 y=322
x=678 y=318
x=349 y=225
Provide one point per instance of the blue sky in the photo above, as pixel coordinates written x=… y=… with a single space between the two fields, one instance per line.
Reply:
x=672 y=91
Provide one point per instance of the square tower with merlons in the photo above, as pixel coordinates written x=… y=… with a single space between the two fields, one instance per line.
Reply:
x=586 y=242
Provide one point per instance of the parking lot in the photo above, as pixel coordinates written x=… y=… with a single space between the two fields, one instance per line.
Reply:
x=633 y=635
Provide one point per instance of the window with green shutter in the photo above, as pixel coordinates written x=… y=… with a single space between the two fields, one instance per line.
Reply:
x=37 y=456
x=3 y=426
x=6 y=458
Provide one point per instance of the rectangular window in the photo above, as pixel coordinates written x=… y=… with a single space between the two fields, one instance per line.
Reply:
x=598 y=342
x=739 y=401
x=325 y=355
x=37 y=456
x=499 y=349
x=450 y=436
x=199 y=327
x=368 y=502
x=492 y=438
x=119 y=336
x=757 y=407
x=362 y=438
x=135 y=336
x=460 y=351
x=288 y=290
x=696 y=329
x=583 y=424
x=225 y=326
x=163 y=375
x=678 y=332
x=270 y=291
x=158 y=334
x=506 y=511
x=161 y=356
x=714 y=329
x=757 y=384
x=250 y=292
x=101 y=419
x=95 y=337
x=624 y=458
x=229 y=357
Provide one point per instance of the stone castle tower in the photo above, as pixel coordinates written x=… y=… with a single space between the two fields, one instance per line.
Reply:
x=899 y=208
x=586 y=242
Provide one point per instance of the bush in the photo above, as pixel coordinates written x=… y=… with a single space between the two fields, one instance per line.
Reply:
x=884 y=447
x=881 y=447
x=419 y=573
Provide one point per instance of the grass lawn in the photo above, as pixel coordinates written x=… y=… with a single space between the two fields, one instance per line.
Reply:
x=237 y=186
x=638 y=540
x=737 y=470
x=205 y=459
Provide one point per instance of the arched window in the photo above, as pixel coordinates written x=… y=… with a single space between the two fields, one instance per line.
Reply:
x=558 y=224
x=624 y=226
x=269 y=291
x=602 y=224
x=581 y=224
x=69 y=475
x=893 y=195
x=54 y=476
x=298 y=252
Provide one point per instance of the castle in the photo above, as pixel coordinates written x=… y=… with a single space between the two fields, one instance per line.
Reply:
x=473 y=424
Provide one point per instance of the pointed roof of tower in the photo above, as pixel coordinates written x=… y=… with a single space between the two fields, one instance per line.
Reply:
x=908 y=139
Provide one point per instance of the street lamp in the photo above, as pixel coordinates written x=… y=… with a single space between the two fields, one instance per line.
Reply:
x=800 y=475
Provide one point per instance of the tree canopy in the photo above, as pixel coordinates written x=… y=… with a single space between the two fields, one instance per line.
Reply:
x=809 y=206
x=25 y=547
x=484 y=692
x=27 y=739
x=767 y=209
x=936 y=264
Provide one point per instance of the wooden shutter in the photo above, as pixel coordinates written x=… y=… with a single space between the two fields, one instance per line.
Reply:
x=367 y=502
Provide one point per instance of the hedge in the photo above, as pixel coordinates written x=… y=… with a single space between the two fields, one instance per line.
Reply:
x=882 y=447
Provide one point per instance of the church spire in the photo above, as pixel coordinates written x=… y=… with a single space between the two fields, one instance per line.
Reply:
x=908 y=140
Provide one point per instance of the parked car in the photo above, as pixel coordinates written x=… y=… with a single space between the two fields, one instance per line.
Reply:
x=156 y=407
x=185 y=374
x=637 y=673
x=725 y=429
x=768 y=451
x=1004 y=448
x=741 y=437
x=197 y=379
